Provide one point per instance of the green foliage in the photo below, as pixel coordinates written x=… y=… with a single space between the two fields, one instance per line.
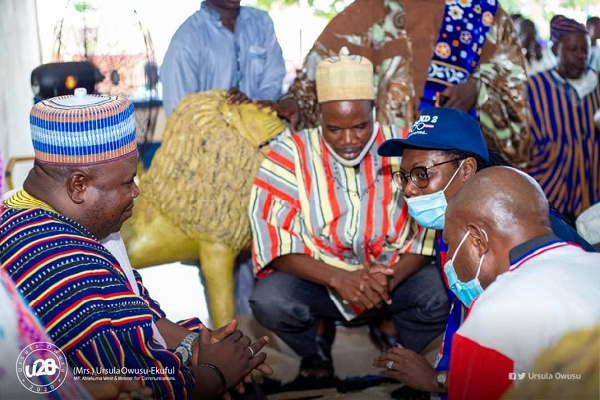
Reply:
x=83 y=6
x=327 y=11
x=511 y=6
x=579 y=4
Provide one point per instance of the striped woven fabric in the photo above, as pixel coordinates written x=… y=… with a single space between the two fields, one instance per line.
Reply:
x=96 y=129
x=20 y=329
x=83 y=298
x=565 y=159
x=304 y=201
x=561 y=25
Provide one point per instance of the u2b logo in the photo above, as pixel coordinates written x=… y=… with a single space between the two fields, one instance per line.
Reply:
x=41 y=367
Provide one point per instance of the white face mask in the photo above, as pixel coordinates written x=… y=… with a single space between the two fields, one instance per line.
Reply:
x=356 y=160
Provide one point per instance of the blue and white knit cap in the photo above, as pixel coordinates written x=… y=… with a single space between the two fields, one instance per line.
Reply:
x=82 y=128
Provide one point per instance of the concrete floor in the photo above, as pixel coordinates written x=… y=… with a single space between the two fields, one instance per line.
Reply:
x=353 y=354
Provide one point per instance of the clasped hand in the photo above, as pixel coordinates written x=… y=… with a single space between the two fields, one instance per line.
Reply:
x=365 y=288
x=233 y=353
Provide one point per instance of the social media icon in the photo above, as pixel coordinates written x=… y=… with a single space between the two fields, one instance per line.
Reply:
x=512 y=376
x=521 y=375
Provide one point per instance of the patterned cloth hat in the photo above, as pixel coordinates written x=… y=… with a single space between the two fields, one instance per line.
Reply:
x=345 y=77
x=561 y=25
x=82 y=128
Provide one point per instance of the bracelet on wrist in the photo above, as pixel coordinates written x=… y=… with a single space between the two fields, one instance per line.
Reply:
x=220 y=375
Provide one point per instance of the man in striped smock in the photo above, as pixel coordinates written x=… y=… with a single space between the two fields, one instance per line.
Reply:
x=79 y=191
x=332 y=239
x=565 y=158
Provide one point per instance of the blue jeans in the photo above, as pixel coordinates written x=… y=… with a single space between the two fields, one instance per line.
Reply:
x=291 y=307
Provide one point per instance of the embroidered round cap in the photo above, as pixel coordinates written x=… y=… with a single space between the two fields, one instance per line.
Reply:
x=561 y=25
x=344 y=77
x=440 y=128
x=82 y=128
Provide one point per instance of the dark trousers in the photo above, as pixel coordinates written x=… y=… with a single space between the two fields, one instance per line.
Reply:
x=291 y=307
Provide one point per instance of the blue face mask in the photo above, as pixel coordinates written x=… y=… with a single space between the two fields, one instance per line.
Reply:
x=465 y=291
x=429 y=210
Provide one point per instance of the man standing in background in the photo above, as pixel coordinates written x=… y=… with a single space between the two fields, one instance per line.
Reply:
x=563 y=100
x=223 y=46
x=537 y=58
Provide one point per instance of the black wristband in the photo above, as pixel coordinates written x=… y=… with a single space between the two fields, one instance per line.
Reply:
x=220 y=375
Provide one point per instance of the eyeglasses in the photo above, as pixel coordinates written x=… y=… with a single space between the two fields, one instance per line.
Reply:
x=418 y=175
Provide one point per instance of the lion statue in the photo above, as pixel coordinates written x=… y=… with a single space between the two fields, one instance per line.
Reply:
x=194 y=197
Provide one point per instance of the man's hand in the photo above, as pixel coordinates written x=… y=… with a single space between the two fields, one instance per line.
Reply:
x=215 y=337
x=462 y=97
x=281 y=112
x=290 y=110
x=408 y=367
x=235 y=355
x=224 y=331
x=365 y=288
x=237 y=96
x=266 y=104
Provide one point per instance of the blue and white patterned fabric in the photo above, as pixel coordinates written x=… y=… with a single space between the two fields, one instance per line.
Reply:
x=456 y=53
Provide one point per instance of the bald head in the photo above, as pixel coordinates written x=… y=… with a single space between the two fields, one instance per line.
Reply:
x=504 y=199
x=496 y=210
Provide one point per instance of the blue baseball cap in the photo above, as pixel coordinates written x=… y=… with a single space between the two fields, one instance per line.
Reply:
x=440 y=128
